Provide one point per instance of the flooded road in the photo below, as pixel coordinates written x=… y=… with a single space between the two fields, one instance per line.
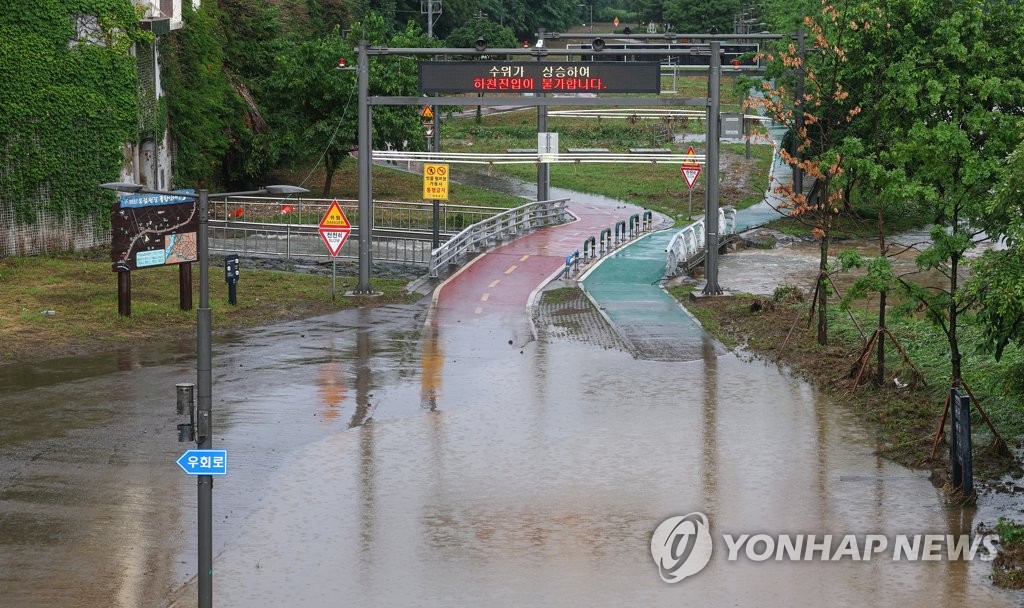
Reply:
x=378 y=461
x=536 y=475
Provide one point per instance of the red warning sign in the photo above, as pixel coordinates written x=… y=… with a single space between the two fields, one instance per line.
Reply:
x=334 y=228
x=690 y=169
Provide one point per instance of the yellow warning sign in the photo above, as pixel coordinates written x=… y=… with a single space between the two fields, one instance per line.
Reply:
x=427 y=113
x=435 y=182
x=335 y=217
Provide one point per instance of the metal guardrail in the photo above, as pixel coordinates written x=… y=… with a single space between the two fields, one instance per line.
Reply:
x=496 y=228
x=689 y=242
x=287 y=227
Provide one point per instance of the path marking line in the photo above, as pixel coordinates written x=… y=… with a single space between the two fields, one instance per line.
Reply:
x=524 y=258
x=494 y=283
x=511 y=269
x=478 y=310
x=485 y=297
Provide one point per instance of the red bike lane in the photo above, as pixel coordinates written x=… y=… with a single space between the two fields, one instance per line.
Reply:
x=500 y=281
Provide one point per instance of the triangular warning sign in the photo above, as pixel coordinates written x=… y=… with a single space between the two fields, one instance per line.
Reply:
x=690 y=168
x=335 y=218
x=427 y=113
x=690 y=174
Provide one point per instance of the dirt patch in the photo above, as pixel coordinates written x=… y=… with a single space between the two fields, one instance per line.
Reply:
x=904 y=416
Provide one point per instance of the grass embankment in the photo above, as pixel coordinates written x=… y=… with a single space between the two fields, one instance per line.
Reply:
x=660 y=187
x=905 y=417
x=82 y=293
x=393 y=184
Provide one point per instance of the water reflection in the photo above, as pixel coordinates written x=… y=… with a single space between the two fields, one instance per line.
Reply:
x=431 y=369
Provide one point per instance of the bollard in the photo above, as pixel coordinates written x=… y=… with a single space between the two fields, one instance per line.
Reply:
x=634 y=225
x=606 y=238
x=590 y=243
x=960 y=457
x=620 y=224
x=231 y=277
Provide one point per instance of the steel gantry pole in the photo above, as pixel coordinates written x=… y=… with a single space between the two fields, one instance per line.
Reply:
x=543 y=169
x=711 y=288
x=365 y=160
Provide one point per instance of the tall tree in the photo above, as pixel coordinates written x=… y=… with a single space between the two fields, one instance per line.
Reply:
x=962 y=84
x=699 y=16
x=315 y=113
x=818 y=117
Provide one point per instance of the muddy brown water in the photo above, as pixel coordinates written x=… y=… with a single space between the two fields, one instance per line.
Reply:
x=375 y=465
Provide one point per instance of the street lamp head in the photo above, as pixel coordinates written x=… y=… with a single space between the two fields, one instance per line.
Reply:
x=127 y=187
x=285 y=189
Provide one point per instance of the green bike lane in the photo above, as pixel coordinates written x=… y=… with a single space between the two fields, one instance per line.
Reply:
x=626 y=286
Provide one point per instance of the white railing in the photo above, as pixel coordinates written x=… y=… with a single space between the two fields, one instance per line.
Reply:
x=503 y=225
x=689 y=241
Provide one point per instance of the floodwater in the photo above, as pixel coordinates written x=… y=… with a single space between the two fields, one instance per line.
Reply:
x=375 y=462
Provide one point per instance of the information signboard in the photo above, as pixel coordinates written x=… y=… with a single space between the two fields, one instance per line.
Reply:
x=539 y=77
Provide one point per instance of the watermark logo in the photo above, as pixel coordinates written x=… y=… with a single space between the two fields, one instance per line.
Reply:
x=681 y=546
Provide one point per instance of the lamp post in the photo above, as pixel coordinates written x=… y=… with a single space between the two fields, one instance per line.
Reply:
x=203 y=429
x=591 y=5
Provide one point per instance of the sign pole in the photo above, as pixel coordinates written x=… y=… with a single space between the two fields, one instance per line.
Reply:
x=689 y=207
x=204 y=403
x=334 y=279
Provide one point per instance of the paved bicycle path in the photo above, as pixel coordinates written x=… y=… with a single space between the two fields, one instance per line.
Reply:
x=500 y=282
x=627 y=287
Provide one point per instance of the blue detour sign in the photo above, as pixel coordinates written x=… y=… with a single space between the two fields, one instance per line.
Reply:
x=204 y=462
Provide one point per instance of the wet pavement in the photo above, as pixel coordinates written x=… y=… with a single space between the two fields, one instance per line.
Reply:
x=627 y=288
x=381 y=460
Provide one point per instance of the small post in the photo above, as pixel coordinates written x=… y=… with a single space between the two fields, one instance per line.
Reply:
x=960 y=457
x=231 y=277
x=436 y=242
x=185 y=286
x=124 y=293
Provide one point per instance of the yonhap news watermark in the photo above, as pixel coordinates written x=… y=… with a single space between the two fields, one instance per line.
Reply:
x=682 y=546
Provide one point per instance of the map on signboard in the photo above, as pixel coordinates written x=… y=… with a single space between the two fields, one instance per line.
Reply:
x=153 y=230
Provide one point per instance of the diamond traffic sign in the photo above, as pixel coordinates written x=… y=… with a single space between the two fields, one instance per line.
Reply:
x=204 y=462
x=690 y=169
x=334 y=228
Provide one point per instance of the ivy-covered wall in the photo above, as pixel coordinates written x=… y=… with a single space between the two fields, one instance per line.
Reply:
x=68 y=104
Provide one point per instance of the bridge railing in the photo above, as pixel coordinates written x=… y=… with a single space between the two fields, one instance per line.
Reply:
x=497 y=228
x=689 y=241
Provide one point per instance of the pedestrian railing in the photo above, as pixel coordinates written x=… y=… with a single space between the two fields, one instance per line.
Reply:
x=287 y=227
x=507 y=224
x=688 y=243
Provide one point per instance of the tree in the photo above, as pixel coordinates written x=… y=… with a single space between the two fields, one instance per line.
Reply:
x=315 y=114
x=700 y=16
x=818 y=117
x=497 y=36
x=966 y=121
